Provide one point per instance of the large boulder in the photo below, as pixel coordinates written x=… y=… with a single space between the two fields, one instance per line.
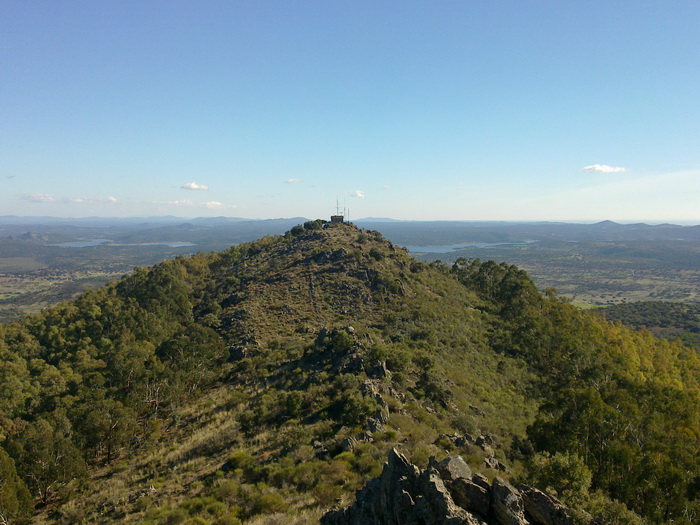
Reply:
x=507 y=504
x=544 y=509
x=471 y=496
x=454 y=467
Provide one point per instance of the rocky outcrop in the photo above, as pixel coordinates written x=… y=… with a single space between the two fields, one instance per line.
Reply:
x=446 y=492
x=543 y=508
x=402 y=495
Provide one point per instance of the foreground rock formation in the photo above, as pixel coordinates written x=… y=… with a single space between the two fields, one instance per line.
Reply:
x=446 y=493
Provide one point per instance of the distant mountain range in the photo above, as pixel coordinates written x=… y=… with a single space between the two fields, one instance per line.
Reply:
x=235 y=229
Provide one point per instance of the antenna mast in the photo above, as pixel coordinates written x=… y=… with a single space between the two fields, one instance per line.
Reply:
x=338 y=218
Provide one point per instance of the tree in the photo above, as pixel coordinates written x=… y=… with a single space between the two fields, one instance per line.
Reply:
x=15 y=500
x=105 y=426
x=45 y=459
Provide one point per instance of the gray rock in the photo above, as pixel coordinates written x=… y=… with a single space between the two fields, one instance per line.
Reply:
x=366 y=436
x=485 y=439
x=470 y=496
x=383 y=413
x=378 y=371
x=543 y=509
x=481 y=480
x=446 y=437
x=351 y=364
x=438 y=501
x=374 y=424
x=491 y=462
x=454 y=467
x=506 y=504
x=349 y=444
x=369 y=388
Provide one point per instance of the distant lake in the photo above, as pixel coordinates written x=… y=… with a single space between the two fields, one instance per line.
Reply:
x=108 y=242
x=452 y=247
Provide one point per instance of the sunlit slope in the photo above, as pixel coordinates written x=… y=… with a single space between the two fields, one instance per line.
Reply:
x=273 y=377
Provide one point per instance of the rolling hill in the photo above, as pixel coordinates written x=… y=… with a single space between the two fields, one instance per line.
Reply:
x=267 y=382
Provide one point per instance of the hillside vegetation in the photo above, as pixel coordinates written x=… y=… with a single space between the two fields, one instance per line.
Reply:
x=663 y=319
x=267 y=382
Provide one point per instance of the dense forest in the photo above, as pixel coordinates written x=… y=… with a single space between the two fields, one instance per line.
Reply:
x=662 y=318
x=271 y=379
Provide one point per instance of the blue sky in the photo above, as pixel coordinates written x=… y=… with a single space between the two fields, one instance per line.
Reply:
x=499 y=110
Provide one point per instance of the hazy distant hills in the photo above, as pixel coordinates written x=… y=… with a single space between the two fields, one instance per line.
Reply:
x=446 y=232
x=223 y=231
x=593 y=264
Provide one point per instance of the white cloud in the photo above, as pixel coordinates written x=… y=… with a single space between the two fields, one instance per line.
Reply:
x=38 y=197
x=180 y=202
x=213 y=205
x=357 y=193
x=292 y=181
x=602 y=168
x=194 y=186
x=88 y=200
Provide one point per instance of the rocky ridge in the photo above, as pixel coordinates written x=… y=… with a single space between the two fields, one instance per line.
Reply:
x=446 y=492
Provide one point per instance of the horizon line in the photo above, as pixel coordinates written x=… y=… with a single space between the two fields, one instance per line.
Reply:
x=678 y=222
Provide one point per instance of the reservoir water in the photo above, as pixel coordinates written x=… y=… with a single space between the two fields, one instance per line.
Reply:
x=108 y=242
x=452 y=247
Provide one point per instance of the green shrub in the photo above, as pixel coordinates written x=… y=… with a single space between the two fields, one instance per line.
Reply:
x=173 y=517
x=144 y=503
x=268 y=503
x=376 y=254
x=445 y=443
x=464 y=423
x=325 y=493
x=197 y=521
x=241 y=460
x=348 y=457
x=314 y=225
x=228 y=492
x=228 y=519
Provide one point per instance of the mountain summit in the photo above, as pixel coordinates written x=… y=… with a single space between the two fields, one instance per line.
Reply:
x=268 y=382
